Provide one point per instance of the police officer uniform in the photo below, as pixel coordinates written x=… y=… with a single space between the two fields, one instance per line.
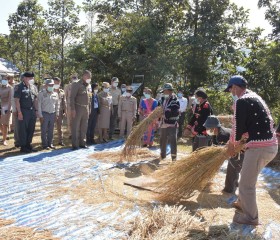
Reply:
x=127 y=111
x=48 y=111
x=27 y=96
x=62 y=111
x=79 y=102
x=116 y=94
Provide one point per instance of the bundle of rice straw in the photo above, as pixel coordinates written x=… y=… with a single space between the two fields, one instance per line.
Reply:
x=134 y=139
x=115 y=156
x=226 y=120
x=191 y=173
x=166 y=223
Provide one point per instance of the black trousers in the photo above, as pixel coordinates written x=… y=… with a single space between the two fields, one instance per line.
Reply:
x=113 y=120
x=181 y=124
x=27 y=127
x=92 y=124
x=201 y=141
x=233 y=169
x=168 y=135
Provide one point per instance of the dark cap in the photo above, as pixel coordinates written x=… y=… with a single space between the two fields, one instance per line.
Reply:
x=201 y=93
x=28 y=74
x=167 y=86
x=236 y=80
x=94 y=85
x=129 y=88
x=212 y=122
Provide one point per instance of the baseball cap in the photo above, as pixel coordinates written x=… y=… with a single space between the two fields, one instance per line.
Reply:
x=236 y=80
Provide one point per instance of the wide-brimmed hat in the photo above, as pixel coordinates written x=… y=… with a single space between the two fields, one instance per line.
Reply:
x=106 y=84
x=212 y=122
x=236 y=80
x=201 y=93
x=167 y=86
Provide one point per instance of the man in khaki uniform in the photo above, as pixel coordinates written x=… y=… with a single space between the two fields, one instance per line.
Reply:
x=62 y=109
x=6 y=92
x=67 y=91
x=79 y=102
x=48 y=111
x=116 y=94
x=127 y=111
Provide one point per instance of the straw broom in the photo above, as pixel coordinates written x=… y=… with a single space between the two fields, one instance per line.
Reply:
x=134 y=139
x=191 y=173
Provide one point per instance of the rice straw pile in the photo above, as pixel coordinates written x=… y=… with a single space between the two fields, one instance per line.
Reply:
x=191 y=173
x=116 y=156
x=165 y=223
x=226 y=120
x=22 y=233
x=134 y=139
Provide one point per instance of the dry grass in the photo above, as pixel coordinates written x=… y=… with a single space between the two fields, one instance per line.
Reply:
x=172 y=223
x=134 y=139
x=107 y=189
x=22 y=233
x=226 y=120
x=176 y=223
x=116 y=156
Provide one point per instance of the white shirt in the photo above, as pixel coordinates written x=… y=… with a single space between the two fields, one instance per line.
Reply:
x=183 y=104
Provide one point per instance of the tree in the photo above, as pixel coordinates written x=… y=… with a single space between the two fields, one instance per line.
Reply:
x=63 y=20
x=272 y=15
x=26 y=27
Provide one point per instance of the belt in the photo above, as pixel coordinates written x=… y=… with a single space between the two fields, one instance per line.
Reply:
x=82 y=105
x=48 y=112
x=25 y=108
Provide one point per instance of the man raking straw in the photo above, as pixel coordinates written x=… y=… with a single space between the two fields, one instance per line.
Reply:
x=252 y=118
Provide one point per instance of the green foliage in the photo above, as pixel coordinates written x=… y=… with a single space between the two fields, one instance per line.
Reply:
x=220 y=101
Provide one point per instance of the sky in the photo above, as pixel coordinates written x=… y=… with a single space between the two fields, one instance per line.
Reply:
x=256 y=15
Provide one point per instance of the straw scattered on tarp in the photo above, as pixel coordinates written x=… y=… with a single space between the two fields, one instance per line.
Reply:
x=116 y=156
x=134 y=140
x=226 y=120
x=22 y=233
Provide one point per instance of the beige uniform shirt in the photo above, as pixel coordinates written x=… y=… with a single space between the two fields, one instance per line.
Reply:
x=79 y=94
x=67 y=91
x=127 y=104
x=48 y=102
x=61 y=100
x=116 y=94
x=6 y=94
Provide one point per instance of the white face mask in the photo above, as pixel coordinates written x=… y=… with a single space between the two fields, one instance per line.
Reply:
x=148 y=96
x=106 y=90
x=123 y=89
x=166 y=96
x=4 y=82
x=88 y=80
x=31 y=81
x=115 y=84
x=128 y=94
x=196 y=101
x=56 y=86
x=95 y=91
x=210 y=132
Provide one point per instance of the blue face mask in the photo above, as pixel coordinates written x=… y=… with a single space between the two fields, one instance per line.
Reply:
x=50 y=89
x=234 y=97
x=147 y=95
x=180 y=95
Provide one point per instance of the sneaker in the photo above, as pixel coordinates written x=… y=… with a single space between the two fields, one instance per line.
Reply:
x=52 y=146
x=61 y=144
x=46 y=148
x=5 y=143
